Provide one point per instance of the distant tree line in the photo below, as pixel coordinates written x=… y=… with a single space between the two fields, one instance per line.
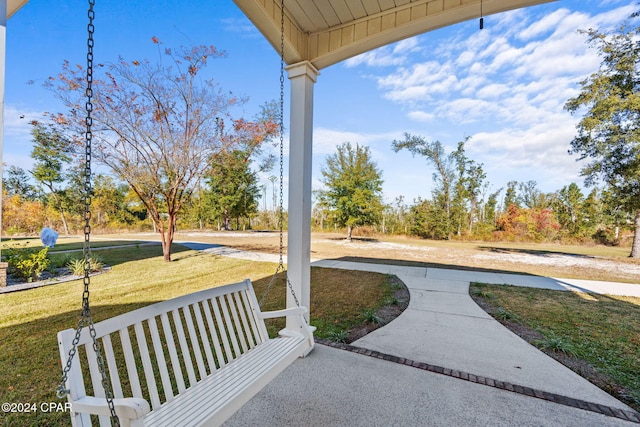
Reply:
x=51 y=194
x=462 y=204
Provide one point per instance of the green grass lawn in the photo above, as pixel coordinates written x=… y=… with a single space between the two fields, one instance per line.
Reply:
x=596 y=335
x=67 y=243
x=29 y=320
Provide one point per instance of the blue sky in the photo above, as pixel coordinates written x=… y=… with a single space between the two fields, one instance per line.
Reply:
x=503 y=86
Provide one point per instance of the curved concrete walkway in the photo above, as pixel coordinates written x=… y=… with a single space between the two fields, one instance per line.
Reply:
x=454 y=366
x=444 y=326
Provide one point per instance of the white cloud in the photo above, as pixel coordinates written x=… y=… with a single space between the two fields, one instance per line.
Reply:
x=491 y=75
x=421 y=82
x=547 y=24
x=466 y=58
x=374 y=58
x=493 y=91
x=326 y=140
x=406 y=46
x=17 y=136
x=468 y=110
x=392 y=55
x=16 y=120
x=516 y=153
x=614 y=17
x=241 y=26
x=421 y=116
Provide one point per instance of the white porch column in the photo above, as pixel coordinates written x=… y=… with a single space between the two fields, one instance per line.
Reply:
x=303 y=76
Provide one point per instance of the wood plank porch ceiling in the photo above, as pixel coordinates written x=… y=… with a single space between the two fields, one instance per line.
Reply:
x=13 y=6
x=325 y=32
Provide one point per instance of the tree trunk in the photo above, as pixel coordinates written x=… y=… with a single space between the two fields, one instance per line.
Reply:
x=226 y=221
x=471 y=211
x=349 y=230
x=64 y=222
x=61 y=210
x=635 y=249
x=167 y=238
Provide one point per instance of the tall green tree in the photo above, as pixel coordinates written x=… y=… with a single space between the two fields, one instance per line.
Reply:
x=471 y=177
x=490 y=208
x=52 y=155
x=420 y=219
x=457 y=183
x=531 y=197
x=108 y=205
x=354 y=187
x=232 y=187
x=608 y=135
x=593 y=209
x=17 y=183
x=511 y=195
x=568 y=206
x=444 y=178
x=459 y=209
x=395 y=215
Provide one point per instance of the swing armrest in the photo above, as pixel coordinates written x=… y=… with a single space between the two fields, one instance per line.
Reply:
x=131 y=408
x=300 y=326
x=293 y=311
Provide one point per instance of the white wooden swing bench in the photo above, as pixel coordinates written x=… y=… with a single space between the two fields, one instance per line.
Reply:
x=194 y=361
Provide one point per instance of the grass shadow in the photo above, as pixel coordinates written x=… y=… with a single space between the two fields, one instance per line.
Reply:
x=536 y=252
x=134 y=252
x=426 y=264
x=354 y=239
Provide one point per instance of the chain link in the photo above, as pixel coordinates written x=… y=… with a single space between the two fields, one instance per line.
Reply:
x=280 y=267
x=86 y=320
x=281 y=124
x=282 y=62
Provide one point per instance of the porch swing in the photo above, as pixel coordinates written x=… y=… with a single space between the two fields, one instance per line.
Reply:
x=195 y=359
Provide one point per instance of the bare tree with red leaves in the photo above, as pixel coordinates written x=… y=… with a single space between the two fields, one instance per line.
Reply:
x=158 y=126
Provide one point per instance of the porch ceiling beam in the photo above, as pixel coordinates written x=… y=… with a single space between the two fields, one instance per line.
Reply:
x=317 y=31
x=13 y=6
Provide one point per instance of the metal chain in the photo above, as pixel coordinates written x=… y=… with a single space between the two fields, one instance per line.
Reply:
x=281 y=212
x=86 y=320
x=281 y=124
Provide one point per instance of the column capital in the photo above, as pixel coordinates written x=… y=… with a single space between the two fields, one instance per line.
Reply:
x=304 y=68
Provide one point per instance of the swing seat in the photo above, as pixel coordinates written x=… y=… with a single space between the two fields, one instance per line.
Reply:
x=194 y=361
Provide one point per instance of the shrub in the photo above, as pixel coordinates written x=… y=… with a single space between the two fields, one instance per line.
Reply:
x=607 y=236
x=502 y=314
x=27 y=263
x=481 y=292
x=528 y=224
x=371 y=316
x=60 y=260
x=552 y=342
x=77 y=265
x=337 y=335
x=391 y=301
